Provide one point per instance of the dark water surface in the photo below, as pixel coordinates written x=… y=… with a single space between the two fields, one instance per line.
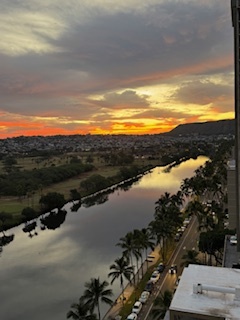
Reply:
x=40 y=276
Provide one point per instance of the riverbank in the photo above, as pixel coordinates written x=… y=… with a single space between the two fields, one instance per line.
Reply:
x=14 y=206
x=52 y=265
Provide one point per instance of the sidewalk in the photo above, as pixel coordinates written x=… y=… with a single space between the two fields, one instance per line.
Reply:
x=113 y=312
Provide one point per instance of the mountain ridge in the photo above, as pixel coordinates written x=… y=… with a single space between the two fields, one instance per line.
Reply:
x=204 y=128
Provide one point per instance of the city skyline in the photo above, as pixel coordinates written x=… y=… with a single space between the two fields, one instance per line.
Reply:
x=104 y=67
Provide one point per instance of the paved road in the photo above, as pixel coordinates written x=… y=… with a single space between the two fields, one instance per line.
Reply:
x=167 y=281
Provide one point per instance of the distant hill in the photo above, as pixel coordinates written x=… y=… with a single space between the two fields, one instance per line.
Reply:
x=204 y=128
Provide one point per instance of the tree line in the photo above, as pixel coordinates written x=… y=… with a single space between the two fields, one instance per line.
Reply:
x=19 y=183
x=207 y=186
x=208 y=183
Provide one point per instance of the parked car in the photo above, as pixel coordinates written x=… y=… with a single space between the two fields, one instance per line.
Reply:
x=137 y=307
x=155 y=276
x=179 y=230
x=173 y=269
x=144 y=296
x=233 y=240
x=149 y=286
x=183 y=228
x=177 y=281
x=132 y=316
x=186 y=222
x=160 y=267
x=177 y=236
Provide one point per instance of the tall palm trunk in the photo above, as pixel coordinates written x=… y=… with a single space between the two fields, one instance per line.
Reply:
x=98 y=308
x=123 y=297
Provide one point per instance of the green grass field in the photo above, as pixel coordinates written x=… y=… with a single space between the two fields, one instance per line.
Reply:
x=14 y=205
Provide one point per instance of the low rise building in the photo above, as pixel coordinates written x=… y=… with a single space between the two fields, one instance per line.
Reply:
x=206 y=292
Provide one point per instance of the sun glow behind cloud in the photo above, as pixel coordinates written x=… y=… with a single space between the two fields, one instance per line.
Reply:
x=106 y=67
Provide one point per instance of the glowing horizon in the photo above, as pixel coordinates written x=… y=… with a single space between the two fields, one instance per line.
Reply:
x=107 y=69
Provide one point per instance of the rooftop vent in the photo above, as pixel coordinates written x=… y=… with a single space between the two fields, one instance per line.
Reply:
x=198 y=288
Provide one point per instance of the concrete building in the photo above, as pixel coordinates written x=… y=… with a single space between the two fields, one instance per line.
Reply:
x=235 y=6
x=231 y=188
x=207 y=293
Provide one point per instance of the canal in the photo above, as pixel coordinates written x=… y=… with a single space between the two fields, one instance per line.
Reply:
x=43 y=272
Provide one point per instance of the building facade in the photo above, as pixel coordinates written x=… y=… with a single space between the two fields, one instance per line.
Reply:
x=235 y=6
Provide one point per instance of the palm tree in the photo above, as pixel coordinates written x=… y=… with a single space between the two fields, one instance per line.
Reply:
x=146 y=240
x=128 y=245
x=121 y=270
x=161 y=305
x=190 y=257
x=96 y=292
x=162 y=228
x=138 y=248
x=178 y=199
x=197 y=208
x=80 y=312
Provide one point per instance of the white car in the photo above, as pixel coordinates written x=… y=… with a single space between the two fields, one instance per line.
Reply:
x=144 y=296
x=233 y=240
x=132 y=316
x=155 y=276
x=137 y=307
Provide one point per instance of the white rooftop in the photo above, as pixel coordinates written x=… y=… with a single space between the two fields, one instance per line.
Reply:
x=209 y=303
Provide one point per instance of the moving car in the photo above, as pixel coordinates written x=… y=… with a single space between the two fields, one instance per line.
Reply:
x=144 y=296
x=132 y=316
x=155 y=276
x=137 y=307
x=173 y=269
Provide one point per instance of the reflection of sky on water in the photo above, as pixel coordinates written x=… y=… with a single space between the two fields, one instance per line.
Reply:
x=165 y=181
x=41 y=276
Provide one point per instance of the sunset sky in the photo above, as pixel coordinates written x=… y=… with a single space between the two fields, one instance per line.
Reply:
x=111 y=67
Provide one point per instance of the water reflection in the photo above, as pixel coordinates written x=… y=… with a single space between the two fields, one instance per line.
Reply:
x=76 y=205
x=30 y=228
x=4 y=240
x=53 y=220
x=103 y=196
x=99 y=198
x=51 y=268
